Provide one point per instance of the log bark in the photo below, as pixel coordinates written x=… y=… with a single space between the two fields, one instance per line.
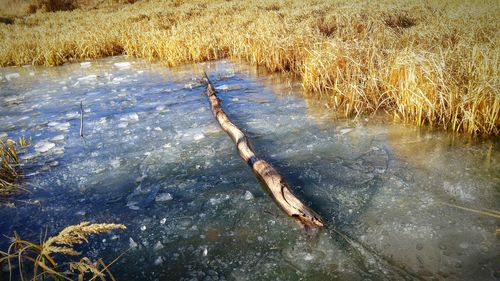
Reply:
x=306 y=217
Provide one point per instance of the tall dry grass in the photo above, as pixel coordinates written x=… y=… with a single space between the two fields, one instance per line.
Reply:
x=426 y=62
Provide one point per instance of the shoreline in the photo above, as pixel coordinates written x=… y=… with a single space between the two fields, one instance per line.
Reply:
x=434 y=65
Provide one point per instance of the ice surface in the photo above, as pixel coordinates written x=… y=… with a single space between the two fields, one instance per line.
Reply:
x=11 y=76
x=154 y=158
x=44 y=146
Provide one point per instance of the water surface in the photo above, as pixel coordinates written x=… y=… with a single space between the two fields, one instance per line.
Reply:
x=154 y=159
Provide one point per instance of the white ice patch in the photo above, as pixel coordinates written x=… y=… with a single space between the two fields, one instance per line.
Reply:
x=44 y=146
x=132 y=243
x=163 y=197
x=158 y=261
x=198 y=136
x=308 y=257
x=158 y=246
x=248 y=195
x=115 y=163
x=85 y=64
x=226 y=88
x=131 y=117
x=73 y=115
x=11 y=76
x=122 y=65
x=458 y=191
x=59 y=126
x=88 y=78
x=13 y=99
x=345 y=131
x=58 y=138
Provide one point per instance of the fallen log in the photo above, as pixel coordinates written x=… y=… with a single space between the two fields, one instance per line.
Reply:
x=306 y=217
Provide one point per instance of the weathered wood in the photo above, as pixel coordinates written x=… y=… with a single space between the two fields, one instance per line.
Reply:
x=279 y=189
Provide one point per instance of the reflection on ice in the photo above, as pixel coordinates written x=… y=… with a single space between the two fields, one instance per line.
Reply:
x=154 y=159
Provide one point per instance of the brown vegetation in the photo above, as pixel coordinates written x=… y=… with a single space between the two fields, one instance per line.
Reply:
x=40 y=257
x=10 y=172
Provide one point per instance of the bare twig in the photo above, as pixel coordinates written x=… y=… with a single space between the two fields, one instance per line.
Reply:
x=81 y=119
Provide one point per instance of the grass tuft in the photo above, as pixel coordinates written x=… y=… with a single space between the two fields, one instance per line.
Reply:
x=40 y=257
x=10 y=172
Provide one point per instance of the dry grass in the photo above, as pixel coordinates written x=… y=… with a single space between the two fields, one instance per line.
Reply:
x=484 y=212
x=18 y=8
x=10 y=172
x=429 y=63
x=40 y=257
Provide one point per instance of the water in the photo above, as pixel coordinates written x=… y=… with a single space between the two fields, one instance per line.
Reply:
x=154 y=159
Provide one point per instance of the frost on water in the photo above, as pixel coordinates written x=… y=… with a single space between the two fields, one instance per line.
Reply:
x=154 y=158
x=11 y=76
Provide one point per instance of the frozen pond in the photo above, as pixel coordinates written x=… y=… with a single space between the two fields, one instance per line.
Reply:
x=155 y=160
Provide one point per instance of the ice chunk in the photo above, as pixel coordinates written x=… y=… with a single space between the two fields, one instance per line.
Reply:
x=131 y=117
x=248 y=195
x=115 y=163
x=123 y=125
x=85 y=64
x=122 y=65
x=58 y=138
x=458 y=190
x=59 y=126
x=87 y=78
x=226 y=88
x=308 y=257
x=44 y=146
x=163 y=197
x=158 y=261
x=345 y=131
x=73 y=114
x=158 y=246
x=132 y=243
x=13 y=99
x=11 y=76
x=198 y=136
